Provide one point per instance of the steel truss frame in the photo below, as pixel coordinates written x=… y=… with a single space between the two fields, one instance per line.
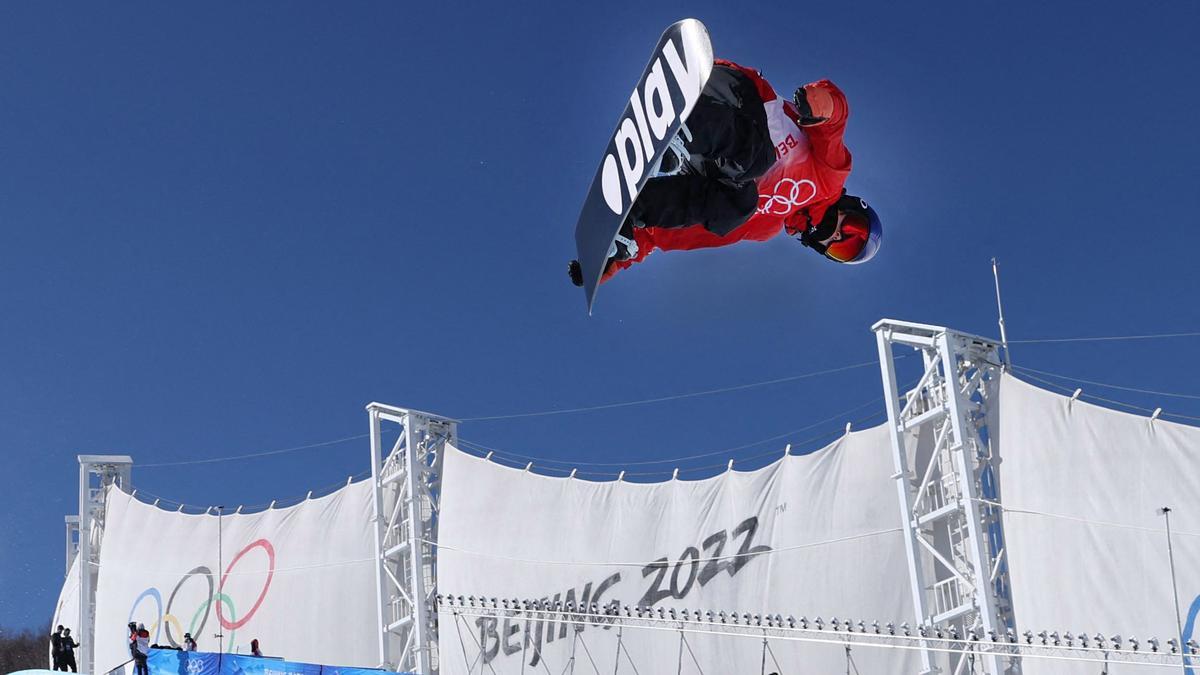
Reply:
x=96 y=474
x=947 y=482
x=1046 y=647
x=407 y=489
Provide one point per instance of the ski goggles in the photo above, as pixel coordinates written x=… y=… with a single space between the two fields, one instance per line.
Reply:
x=850 y=220
x=855 y=230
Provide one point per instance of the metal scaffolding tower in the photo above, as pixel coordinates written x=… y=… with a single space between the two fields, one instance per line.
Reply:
x=96 y=474
x=946 y=478
x=72 y=527
x=407 y=487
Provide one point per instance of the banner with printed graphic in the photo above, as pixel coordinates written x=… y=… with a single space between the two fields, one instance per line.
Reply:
x=66 y=611
x=185 y=663
x=299 y=579
x=1086 y=540
x=210 y=663
x=812 y=535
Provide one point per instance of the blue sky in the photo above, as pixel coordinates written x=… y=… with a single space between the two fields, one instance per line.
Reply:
x=226 y=228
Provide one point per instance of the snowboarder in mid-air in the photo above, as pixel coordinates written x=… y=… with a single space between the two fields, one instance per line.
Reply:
x=747 y=165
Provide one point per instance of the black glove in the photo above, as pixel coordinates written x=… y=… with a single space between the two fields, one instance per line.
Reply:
x=815 y=233
x=800 y=98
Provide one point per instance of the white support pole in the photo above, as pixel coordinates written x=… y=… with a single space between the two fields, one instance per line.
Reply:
x=407 y=486
x=965 y=453
x=916 y=575
x=72 y=540
x=86 y=594
x=377 y=519
x=417 y=536
x=942 y=422
x=96 y=474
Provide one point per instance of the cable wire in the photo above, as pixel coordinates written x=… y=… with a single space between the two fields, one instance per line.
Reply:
x=142 y=571
x=828 y=435
x=731 y=556
x=825 y=436
x=607 y=406
x=661 y=399
x=1110 y=401
x=709 y=467
x=1104 y=384
x=671 y=460
x=139 y=495
x=675 y=397
x=1031 y=512
x=213 y=460
x=1107 y=338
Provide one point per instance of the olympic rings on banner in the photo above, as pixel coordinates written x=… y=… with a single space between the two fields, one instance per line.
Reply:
x=225 y=599
x=228 y=618
x=167 y=620
x=1189 y=632
x=200 y=569
x=266 y=546
x=153 y=593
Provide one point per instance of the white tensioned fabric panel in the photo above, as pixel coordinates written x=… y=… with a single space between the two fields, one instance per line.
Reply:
x=1066 y=462
x=820 y=532
x=66 y=611
x=300 y=579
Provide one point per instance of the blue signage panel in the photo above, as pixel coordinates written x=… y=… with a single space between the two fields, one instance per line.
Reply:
x=174 y=662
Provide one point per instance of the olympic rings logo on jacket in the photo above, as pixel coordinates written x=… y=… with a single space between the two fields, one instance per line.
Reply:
x=784 y=203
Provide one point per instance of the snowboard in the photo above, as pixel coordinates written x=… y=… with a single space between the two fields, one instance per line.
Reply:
x=664 y=96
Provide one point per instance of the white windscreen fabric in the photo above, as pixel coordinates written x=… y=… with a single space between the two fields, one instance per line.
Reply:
x=299 y=579
x=820 y=534
x=66 y=610
x=1087 y=546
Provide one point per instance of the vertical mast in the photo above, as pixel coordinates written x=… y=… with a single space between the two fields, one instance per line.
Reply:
x=1000 y=311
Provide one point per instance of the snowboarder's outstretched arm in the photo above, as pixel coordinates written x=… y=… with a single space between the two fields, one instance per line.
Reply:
x=826 y=101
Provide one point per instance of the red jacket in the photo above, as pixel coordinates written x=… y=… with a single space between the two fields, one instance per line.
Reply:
x=812 y=164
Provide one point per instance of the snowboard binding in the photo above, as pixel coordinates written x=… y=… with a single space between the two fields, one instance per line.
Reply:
x=675 y=158
x=623 y=247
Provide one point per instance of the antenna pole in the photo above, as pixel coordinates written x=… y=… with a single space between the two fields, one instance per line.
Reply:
x=1166 y=511
x=220 y=566
x=1000 y=310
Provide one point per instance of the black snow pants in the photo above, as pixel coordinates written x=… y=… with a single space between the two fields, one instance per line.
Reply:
x=730 y=148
